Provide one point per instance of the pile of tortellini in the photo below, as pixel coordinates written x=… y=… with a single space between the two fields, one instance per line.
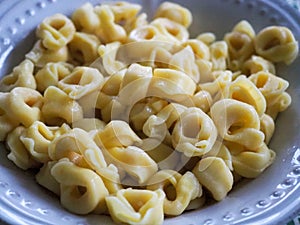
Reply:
x=134 y=118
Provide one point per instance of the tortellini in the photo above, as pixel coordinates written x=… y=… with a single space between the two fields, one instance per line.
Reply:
x=130 y=116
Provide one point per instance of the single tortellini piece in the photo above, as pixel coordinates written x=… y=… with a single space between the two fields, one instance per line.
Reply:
x=214 y=174
x=240 y=43
x=18 y=152
x=84 y=48
x=52 y=111
x=237 y=122
x=85 y=19
x=137 y=207
x=219 y=55
x=172 y=30
x=174 y=12
x=242 y=89
x=273 y=89
x=277 y=44
x=179 y=189
x=171 y=84
x=81 y=189
x=40 y=55
x=82 y=81
x=109 y=30
x=7 y=121
x=56 y=31
x=37 y=139
x=124 y=11
x=194 y=133
x=256 y=64
x=250 y=163
x=79 y=147
x=21 y=76
x=51 y=73
x=116 y=133
x=24 y=105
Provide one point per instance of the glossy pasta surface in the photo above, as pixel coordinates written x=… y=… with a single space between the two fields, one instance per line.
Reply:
x=131 y=117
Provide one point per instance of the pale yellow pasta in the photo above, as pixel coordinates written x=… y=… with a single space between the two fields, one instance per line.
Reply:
x=109 y=31
x=242 y=89
x=203 y=100
x=84 y=48
x=124 y=11
x=249 y=163
x=136 y=22
x=52 y=111
x=22 y=76
x=7 y=122
x=267 y=126
x=171 y=84
x=213 y=174
x=51 y=73
x=273 y=89
x=24 y=105
x=221 y=151
x=219 y=55
x=206 y=37
x=143 y=109
x=184 y=61
x=37 y=139
x=18 y=153
x=256 y=64
x=82 y=81
x=111 y=178
x=130 y=117
x=240 y=44
x=117 y=133
x=85 y=19
x=107 y=64
x=194 y=133
x=135 y=83
x=45 y=178
x=179 y=189
x=135 y=161
x=174 y=12
x=237 y=122
x=40 y=55
x=89 y=124
x=55 y=31
x=173 y=31
x=277 y=44
x=136 y=207
x=165 y=156
x=81 y=190
x=200 y=48
x=216 y=87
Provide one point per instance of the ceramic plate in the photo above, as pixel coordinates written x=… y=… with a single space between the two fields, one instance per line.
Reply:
x=272 y=198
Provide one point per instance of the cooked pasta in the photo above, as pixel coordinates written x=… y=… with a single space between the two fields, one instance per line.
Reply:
x=131 y=117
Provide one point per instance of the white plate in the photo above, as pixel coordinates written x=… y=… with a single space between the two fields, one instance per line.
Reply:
x=272 y=198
